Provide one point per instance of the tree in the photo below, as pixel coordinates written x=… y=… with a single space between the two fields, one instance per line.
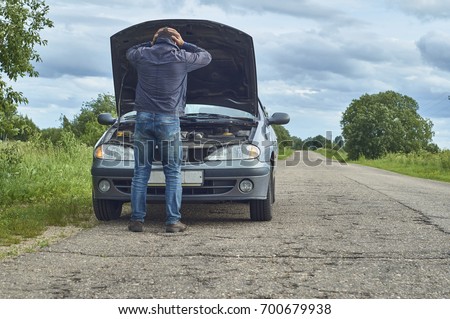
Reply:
x=297 y=143
x=25 y=127
x=283 y=137
x=282 y=134
x=84 y=125
x=316 y=142
x=338 y=142
x=52 y=134
x=382 y=123
x=20 y=24
x=17 y=126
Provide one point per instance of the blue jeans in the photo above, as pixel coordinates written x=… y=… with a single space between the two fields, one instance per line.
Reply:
x=162 y=130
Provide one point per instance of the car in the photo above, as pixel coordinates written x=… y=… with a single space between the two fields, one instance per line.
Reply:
x=230 y=148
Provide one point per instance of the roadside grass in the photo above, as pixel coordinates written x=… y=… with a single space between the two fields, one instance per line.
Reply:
x=435 y=166
x=424 y=165
x=285 y=152
x=43 y=185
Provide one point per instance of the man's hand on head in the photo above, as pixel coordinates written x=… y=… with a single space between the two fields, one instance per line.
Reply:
x=175 y=36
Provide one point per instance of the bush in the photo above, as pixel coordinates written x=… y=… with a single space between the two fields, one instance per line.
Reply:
x=10 y=158
x=47 y=185
x=445 y=159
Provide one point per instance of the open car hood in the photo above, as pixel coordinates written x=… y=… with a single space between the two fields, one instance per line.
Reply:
x=229 y=80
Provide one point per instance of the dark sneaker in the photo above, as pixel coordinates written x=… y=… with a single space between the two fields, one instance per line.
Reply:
x=176 y=228
x=136 y=226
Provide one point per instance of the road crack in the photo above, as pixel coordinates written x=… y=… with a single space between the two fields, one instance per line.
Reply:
x=326 y=256
x=423 y=218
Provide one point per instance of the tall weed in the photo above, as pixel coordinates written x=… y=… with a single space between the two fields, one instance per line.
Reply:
x=445 y=159
x=43 y=185
x=422 y=164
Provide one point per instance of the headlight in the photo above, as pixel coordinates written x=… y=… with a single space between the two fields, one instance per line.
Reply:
x=234 y=152
x=114 y=152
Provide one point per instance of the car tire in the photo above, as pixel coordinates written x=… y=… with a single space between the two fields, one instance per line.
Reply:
x=107 y=209
x=261 y=209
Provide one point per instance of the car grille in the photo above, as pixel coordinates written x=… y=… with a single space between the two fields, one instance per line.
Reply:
x=210 y=187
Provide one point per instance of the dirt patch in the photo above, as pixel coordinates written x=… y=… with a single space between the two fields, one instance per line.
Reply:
x=52 y=235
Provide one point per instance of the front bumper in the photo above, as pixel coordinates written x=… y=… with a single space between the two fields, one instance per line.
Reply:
x=220 y=181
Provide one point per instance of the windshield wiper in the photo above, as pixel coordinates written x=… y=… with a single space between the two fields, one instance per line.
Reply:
x=211 y=118
x=205 y=115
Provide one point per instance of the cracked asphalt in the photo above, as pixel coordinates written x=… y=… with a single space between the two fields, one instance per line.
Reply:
x=339 y=231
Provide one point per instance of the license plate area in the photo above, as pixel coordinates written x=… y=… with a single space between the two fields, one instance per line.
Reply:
x=188 y=178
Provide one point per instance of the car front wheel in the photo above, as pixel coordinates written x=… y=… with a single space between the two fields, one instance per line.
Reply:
x=107 y=209
x=261 y=209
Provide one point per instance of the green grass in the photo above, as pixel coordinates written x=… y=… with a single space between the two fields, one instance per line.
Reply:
x=43 y=185
x=285 y=152
x=423 y=165
x=435 y=166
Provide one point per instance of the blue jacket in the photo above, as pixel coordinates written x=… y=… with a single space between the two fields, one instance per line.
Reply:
x=162 y=71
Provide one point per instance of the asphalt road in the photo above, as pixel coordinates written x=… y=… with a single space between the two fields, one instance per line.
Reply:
x=339 y=231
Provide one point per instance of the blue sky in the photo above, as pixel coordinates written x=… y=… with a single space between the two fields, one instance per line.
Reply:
x=313 y=57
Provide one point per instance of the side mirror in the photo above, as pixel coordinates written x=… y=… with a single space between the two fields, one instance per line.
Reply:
x=279 y=118
x=106 y=119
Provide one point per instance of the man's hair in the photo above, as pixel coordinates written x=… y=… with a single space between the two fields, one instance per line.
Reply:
x=164 y=34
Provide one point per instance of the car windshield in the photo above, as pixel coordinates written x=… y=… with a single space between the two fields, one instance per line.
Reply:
x=193 y=110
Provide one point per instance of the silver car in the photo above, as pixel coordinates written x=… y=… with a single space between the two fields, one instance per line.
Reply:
x=229 y=147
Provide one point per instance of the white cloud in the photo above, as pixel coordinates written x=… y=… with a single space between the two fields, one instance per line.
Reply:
x=435 y=48
x=63 y=95
x=424 y=9
x=283 y=88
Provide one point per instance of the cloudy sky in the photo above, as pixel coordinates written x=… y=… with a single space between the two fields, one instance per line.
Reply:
x=313 y=57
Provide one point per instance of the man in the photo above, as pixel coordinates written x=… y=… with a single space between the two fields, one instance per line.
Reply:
x=162 y=68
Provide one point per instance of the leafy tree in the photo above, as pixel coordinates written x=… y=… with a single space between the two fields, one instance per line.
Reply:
x=316 y=142
x=382 y=123
x=52 y=134
x=283 y=137
x=433 y=148
x=338 y=142
x=297 y=143
x=282 y=133
x=84 y=125
x=17 y=126
x=25 y=127
x=65 y=123
x=20 y=24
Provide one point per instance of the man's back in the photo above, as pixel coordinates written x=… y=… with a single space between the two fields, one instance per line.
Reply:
x=162 y=74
